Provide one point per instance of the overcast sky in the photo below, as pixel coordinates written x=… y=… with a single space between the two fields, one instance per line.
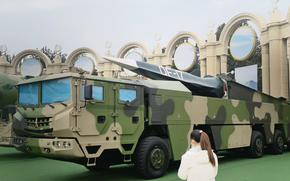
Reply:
x=75 y=23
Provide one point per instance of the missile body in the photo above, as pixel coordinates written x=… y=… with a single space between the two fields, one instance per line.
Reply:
x=209 y=86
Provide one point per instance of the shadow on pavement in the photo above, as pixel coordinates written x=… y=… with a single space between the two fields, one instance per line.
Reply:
x=15 y=156
x=127 y=173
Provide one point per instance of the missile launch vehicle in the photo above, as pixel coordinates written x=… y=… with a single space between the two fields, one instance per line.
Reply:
x=99 y=122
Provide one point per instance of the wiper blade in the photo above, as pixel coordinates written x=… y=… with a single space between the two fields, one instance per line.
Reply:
x=50 y=105
x=62 y=103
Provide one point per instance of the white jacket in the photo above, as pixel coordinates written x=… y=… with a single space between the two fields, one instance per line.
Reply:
x=195 y=166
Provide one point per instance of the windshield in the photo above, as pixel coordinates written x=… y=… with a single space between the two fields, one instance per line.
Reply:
x=56 y=91
x=28 y=94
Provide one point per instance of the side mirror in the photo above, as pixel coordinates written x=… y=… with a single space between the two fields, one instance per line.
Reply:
x=88 y=92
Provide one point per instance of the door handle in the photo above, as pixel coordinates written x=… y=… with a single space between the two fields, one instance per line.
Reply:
x=101 y=119
x=135 y=119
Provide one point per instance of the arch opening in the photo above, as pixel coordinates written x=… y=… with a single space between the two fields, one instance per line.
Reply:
x=84 y=58
x=134 y=52
x=244 y=53
x=85 y=61
x=30 y=66
x=184 y=53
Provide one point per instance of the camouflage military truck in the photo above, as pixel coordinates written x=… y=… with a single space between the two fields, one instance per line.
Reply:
x=8 y=97
x=99 y=122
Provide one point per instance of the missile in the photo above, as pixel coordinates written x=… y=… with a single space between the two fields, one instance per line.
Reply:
x=208 y=86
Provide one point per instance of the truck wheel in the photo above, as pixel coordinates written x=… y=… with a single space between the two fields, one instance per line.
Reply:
x=257 y=145
x=278 y=143
x=152 y=157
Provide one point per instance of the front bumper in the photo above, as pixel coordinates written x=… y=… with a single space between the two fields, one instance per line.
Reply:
x=64 y=149
x=6 y=141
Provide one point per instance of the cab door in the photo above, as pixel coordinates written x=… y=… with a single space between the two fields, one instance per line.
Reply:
x=129 y=102
x=96 y=116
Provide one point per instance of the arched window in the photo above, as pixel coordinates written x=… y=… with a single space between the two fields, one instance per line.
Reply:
x=134 y=54
x=30 y=66
x=85 y=61
x=245 y=54
x=186 y=56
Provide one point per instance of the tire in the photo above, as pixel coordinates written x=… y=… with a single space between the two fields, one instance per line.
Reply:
x=152 y=157
x=278 y=143
x=256 y=149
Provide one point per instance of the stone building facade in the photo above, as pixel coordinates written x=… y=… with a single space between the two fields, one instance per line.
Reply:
x=213 y=55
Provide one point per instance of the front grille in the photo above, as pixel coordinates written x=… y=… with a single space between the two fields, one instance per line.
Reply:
x=40 y=131
x=38 y=123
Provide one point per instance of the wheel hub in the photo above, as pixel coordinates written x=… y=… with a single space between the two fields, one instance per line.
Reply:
x=259 y=145
x=280 y=142
x=157 y=158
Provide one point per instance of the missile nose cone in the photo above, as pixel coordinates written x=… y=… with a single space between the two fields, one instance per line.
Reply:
x=111 y=59
x=125 y=63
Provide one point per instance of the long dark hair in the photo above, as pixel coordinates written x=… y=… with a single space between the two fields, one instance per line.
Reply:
x=201 y=137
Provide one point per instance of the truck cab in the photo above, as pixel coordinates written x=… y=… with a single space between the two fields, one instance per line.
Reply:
x=81 y=118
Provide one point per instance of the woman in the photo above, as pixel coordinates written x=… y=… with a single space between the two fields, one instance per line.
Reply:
x=199 y=162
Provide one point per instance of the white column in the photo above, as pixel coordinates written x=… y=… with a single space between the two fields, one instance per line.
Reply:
x=278 y=69
x=203 y=67
x=275 y=68
x=218 y=65
x=284 y=69
x=265 y=69
x=210 y=65
x=288 y=58
x=224 y=62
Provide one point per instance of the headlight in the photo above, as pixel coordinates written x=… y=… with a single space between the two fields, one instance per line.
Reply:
x=18 y=141
x=66 y=144
x=62 y=144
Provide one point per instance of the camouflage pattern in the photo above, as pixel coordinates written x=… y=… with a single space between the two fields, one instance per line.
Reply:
x=8 y=97
x=89 y=130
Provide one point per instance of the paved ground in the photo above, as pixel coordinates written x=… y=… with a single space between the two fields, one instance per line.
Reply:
x=15 y=166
